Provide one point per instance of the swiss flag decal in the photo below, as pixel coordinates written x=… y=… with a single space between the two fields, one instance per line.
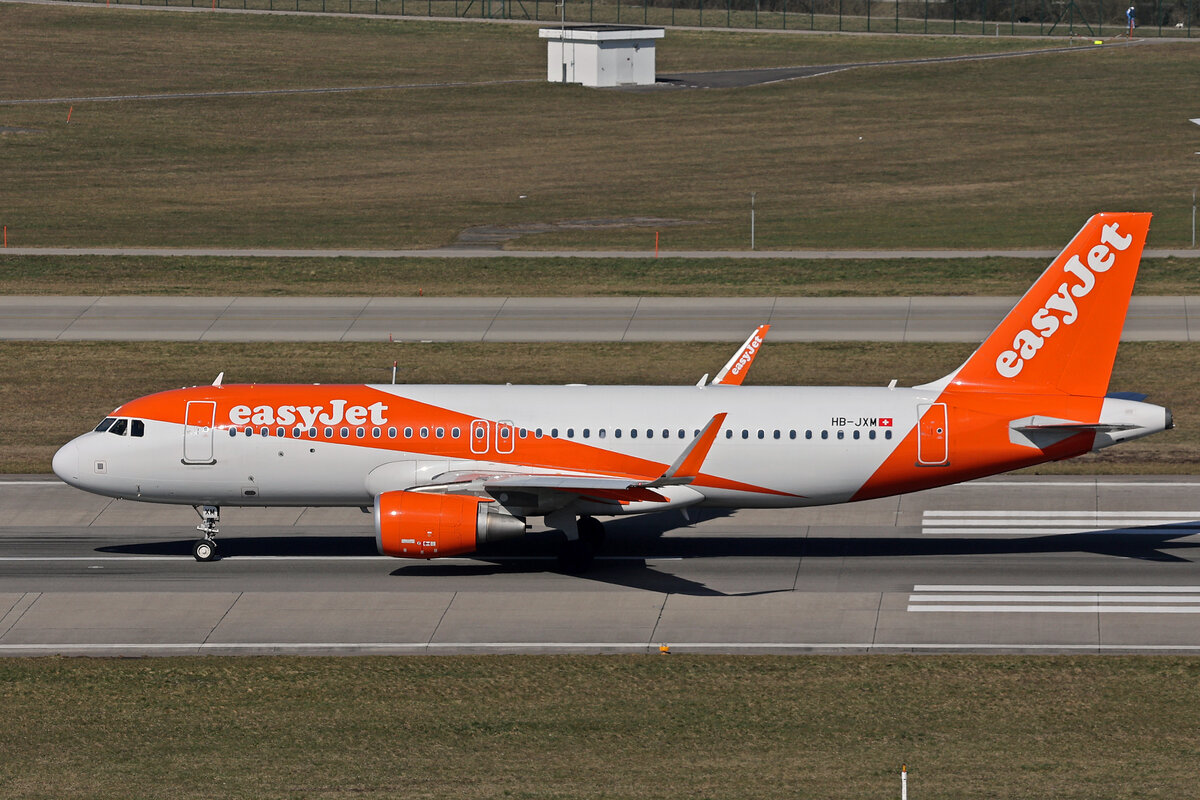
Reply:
x=885 y=422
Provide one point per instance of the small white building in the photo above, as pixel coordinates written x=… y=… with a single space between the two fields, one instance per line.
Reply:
x=601 y=55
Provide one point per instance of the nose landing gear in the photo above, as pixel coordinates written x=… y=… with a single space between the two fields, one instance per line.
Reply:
x=206 y=549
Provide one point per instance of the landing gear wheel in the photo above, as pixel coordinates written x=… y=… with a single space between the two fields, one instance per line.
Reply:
x=205 y=550
x=575 y=556
x=592 y=532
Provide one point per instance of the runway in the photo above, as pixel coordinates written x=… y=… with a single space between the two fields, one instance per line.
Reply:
x=1022 y=564
x=538 y=319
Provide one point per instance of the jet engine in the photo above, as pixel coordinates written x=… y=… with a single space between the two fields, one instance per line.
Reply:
x=421 y=525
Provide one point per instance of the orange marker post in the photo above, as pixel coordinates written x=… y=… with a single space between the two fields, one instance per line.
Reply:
x=69 y=110
x=5 y=237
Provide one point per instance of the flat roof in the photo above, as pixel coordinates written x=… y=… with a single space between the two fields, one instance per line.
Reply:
x=599 y=33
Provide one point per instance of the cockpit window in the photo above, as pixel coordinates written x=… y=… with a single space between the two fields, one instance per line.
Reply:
x=105 y=424
x=137 y=428
x=118 y=427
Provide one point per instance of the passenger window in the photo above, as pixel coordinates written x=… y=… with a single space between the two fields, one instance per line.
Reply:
x=119 y=427
x=281 y=432
x=263 y=432
x=792 y=434
x=312 y=433
x=887 y=434
x=537 y=434
x=776 y=434
x=841 y=434
x=455 y=433
x=761 y=433
x=424 y=433
x=296 y=432
x=632 y=433
x=376 y=433
x=391 y=433
x=666 y=434
x=871 y=435
x=137 y=428
x=232 y=432
x=344 y=433
x=360 y=432
x=856 y=434
x=570 y=433
x=681 y=433
x=440 y=433
x=617 y=433
x=728 y=434
x=329 y=433
x=587 y=432
x=522 y=433
x=824 y=434
x=649 y=433
x=554 y=433
x=745 y=433
x=408 y=433
x=105 y=424
x=808 y=434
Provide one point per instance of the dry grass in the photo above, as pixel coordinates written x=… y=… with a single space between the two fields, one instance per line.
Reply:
x=50 y=392
x=1021 y=150
x=601 y=727
x=543 y=277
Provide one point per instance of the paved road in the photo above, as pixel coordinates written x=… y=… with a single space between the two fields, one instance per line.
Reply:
x=494 y=252
x=516 y=319
x=998 y=565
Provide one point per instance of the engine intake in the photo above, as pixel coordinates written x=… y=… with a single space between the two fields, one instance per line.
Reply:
x=421 y=525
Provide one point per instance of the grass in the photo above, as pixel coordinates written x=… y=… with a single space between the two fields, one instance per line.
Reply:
x=1020 y=149
x=52 y=391
x=548 y=277
x=593 y=727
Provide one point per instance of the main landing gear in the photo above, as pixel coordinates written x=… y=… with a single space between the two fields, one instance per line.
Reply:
x=206 y=549
x=578 y=552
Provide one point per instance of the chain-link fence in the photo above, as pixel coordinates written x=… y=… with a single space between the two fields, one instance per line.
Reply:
x=1165 y=18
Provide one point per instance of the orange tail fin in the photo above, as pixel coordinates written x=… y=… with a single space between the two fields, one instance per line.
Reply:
x=1062 y=336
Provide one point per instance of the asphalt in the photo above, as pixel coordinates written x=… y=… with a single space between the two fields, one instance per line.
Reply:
x=1095 y=565
x=524 y=319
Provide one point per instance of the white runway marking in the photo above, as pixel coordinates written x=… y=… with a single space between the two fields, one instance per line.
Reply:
x=1044 y=523
x=1056 y=599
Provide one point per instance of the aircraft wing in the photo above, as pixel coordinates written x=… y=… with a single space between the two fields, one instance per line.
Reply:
x=682 y=471
x=735 y=369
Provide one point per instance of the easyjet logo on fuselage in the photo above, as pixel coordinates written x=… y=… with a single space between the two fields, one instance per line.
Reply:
x=309 y=416
x=1060 y=308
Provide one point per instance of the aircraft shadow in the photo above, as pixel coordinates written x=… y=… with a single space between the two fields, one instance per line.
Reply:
x=631 y=544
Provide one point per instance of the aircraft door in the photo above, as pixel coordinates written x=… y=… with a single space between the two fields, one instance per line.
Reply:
x=933 y=436
x=479 y=436
x=504 y=437
x=198 y=432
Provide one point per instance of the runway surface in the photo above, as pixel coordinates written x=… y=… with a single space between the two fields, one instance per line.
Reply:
x=1022 y=564
x=524 y=319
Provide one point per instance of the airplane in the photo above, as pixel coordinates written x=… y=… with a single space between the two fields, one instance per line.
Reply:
x=446 y=469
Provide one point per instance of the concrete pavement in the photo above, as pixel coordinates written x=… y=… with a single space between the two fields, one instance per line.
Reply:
x=543 y=319
x=1021 y=564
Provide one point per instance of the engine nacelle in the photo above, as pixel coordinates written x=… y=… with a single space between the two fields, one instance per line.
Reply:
x=422 y=525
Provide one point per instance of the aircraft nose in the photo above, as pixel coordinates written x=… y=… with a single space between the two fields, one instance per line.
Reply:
x=66 y=463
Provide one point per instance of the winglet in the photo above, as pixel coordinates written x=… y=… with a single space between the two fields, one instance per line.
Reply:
x=687 y=466
x=220 y=378
x=734 y=371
